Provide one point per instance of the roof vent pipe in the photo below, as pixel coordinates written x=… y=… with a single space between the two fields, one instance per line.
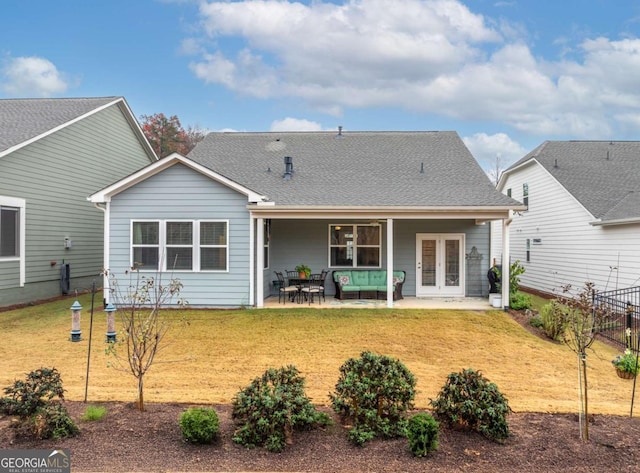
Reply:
x=555 y=164
x=340 y=135
x=288 y=167
x=422 y=167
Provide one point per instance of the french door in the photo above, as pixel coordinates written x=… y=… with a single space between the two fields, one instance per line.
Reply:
x=439 y=264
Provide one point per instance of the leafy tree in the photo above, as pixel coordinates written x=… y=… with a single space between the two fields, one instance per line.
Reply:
x=167 y=136
x=143 y=327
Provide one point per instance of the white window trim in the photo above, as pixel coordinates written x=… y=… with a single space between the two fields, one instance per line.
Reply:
x=196 y=246
x=21 y=204
x=355 y=244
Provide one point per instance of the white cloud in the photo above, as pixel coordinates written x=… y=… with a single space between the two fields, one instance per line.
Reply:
x=295 y=124
x=492 y=151
x=32 y=76
x=427 y=56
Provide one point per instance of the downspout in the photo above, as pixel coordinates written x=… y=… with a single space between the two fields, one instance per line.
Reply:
x=106 y=290
x=506 y=267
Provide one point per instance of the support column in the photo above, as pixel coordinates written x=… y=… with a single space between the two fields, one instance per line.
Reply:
x=389 y=263
x=506 y=267
x=259 y=251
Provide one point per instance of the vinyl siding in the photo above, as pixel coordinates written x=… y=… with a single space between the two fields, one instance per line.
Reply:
x=306 y=241
x=183 y=194
x=571 y=250
x=55 y=175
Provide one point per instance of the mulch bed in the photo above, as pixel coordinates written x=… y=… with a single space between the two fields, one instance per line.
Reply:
x=128 y=440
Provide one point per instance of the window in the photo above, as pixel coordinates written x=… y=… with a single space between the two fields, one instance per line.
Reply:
x=187 y=245
x=146 y=245
x=354 y=246
x=213 y=246
x=9 y=232
x=509 y=192
x=525 y=194
x=528 y=250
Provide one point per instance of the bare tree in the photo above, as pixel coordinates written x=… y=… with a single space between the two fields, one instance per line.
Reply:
x=143 y=331
x=495 y=172
x=582 y=320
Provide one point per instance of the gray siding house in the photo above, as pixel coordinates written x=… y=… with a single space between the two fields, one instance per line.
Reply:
x=243 y=205
x=53 y=153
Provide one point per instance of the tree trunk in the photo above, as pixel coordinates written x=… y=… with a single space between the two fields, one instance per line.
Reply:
x=140 y=402
x=586 y=399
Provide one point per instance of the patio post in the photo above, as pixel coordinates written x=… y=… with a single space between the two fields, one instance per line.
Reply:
x=389 y=263
x=505 y=261
x=260 y=263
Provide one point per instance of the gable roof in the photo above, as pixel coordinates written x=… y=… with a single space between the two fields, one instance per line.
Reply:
x=604 y=176
x=105 y=194
x=23 y=121
x=367 y=169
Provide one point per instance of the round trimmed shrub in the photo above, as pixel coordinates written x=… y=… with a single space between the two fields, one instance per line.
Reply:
x=468 y=399
x=422 y=432
x=373 y=393
x=272 y=407
x=199 y=425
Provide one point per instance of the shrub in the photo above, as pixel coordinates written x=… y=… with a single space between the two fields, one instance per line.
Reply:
x=24 y=398
x=470 y=400
x=92 y=413
x=373 y=393
x=536 y=321
x=422 y=432
x=271 y=407
x=520 y=301
x=34 y=401
x=199 y=425
x=53 y=421
x=552 y=320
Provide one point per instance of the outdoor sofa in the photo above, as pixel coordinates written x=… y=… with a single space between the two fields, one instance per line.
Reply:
x=366 y=284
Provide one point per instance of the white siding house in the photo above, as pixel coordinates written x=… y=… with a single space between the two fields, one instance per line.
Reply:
x=583 y=217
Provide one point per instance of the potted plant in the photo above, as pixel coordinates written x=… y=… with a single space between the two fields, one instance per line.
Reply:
x=303 y=270
x=626 y=365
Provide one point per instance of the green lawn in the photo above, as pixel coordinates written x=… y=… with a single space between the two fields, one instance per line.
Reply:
x=221 y=351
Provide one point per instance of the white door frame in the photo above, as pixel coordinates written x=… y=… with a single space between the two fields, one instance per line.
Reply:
x=440 y=288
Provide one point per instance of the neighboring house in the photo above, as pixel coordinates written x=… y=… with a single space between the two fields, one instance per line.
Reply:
x=582 y=221
x=53 y=153
x=244 y=205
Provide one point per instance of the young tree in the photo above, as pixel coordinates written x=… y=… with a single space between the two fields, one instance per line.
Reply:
x=144 y=329
x=582 y=320
x=167 y=136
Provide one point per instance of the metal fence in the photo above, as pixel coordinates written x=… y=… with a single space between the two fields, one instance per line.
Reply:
x=624 y=308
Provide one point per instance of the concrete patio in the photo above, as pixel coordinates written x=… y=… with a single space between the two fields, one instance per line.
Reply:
x=458 y=303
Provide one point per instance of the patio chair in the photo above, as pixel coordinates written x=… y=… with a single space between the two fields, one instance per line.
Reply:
x=323 y=278
x=311 y=287
x=285 y=290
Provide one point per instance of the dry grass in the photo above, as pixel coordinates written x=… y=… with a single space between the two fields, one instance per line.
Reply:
x=221 y=351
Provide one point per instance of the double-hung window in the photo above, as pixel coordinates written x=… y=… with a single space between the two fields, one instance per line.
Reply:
x=9 y=232
x=178 y=245
x=354 y=246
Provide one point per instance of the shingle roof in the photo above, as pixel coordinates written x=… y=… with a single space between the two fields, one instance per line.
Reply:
x=604 y=176
x=24 y=119
x=354 y=168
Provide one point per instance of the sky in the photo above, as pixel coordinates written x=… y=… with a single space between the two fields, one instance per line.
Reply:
x=506 y=75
